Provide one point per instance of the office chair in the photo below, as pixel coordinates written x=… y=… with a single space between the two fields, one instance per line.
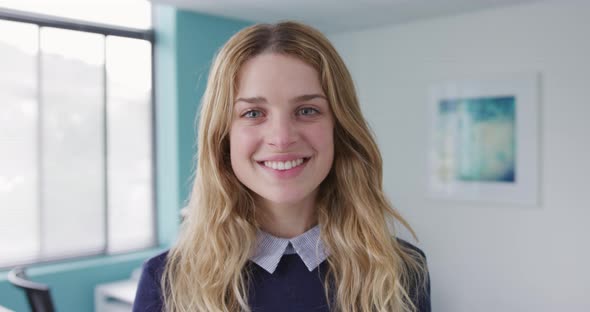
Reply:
x=37 y=294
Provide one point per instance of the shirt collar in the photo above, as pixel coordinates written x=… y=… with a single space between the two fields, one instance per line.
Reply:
x=270 y=249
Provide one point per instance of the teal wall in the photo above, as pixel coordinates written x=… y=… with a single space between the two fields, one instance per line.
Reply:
x=166 y=67
x=185 y=45
x=199 y=37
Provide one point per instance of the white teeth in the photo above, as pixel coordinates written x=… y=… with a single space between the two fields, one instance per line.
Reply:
x=279 y=165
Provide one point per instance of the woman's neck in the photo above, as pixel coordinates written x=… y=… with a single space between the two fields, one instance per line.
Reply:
x=287 y=220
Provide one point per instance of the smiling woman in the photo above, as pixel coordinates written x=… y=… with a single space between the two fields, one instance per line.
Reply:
x=292 y=124
x=287 y=211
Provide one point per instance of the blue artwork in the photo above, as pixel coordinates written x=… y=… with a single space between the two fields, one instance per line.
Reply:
x=477 y=139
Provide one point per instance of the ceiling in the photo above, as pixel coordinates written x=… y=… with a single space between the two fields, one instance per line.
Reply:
x=333 y=16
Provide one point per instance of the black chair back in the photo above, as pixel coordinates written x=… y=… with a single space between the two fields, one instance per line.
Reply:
x=37 y=294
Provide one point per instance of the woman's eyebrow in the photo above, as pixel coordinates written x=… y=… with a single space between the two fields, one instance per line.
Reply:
x=307 y=97
x=297 y=99
x=252 y=100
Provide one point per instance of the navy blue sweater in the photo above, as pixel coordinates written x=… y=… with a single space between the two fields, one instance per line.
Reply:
x=291 y=288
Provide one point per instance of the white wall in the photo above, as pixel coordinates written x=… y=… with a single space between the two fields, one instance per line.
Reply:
x=485 y=256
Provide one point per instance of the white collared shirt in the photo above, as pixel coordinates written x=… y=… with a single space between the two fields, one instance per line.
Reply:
x=270 y=249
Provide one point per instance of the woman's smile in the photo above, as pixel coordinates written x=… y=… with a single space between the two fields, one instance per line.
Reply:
x=285 y=169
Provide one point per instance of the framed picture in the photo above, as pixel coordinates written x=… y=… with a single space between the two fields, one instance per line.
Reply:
x=484 y=139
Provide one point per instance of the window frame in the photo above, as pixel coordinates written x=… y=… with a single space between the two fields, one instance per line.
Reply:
x=42 y=20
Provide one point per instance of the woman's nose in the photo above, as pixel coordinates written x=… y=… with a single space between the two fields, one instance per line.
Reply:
x=282 y=132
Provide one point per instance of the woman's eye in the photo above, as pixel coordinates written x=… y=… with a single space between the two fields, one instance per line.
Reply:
x=307 y=111
x=252 y=114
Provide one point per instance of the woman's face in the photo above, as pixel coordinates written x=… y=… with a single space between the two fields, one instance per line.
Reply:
x=281 y=137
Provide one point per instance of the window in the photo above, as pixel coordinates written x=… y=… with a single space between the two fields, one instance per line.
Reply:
x=76 y=136
x=122 y=13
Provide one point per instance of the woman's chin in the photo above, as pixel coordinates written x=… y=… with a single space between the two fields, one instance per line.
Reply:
x=286 y=198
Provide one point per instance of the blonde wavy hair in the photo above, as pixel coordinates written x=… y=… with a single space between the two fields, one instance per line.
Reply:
x=368 y=269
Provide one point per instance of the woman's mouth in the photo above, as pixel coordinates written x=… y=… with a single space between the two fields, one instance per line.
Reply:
x=284 y=165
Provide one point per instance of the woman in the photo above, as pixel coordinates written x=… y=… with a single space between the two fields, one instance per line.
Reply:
x=287 y=211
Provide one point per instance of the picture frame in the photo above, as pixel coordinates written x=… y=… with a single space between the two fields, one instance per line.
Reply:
x=483 y=139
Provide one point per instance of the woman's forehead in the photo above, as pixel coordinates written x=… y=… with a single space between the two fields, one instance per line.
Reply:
x=272 y=73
